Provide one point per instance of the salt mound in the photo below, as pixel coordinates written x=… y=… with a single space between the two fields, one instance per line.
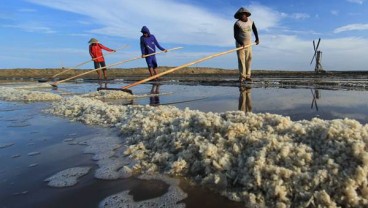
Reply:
x=34 y=86
x=169 y=199
x=108 y=94
x=88 y=110
x=263 y=160
x=12 y=94
x=68 y=177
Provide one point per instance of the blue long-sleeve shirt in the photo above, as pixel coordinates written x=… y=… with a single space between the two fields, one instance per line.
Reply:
x=149 y=43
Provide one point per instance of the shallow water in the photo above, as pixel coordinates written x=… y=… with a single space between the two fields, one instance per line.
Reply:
x=298 y=103
x=25 y=130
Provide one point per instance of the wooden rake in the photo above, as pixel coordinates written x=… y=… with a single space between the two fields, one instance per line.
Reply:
x=115 y=64
x=185 y=65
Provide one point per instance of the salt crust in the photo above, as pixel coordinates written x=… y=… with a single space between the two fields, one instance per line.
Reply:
x=264 y=160
x=169 y=199
x=13 y=94
x=68 y=177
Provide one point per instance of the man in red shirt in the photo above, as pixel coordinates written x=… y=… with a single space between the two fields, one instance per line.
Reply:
x=95 y=50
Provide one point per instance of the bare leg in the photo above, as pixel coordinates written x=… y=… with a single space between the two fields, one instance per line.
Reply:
x=151 y=71
x=155 y=72
x=104 y=73
x=99 y=74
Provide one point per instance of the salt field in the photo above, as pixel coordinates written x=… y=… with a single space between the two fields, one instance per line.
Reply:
x=177 y=145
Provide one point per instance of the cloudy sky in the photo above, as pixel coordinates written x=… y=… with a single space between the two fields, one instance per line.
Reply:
x=54 y=33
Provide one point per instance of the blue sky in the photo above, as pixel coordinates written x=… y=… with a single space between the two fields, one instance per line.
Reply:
x=54 y=33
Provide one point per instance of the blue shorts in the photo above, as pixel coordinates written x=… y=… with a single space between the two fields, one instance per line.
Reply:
x=151 y=62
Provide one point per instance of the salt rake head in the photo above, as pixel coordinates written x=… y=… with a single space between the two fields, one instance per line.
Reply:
x=54 y=86
x=120 y=89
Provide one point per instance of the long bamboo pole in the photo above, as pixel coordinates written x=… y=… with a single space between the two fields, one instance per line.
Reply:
x=115 y=64
x=185 y=65
x=81 y=64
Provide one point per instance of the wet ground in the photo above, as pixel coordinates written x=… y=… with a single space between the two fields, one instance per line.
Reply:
x=34 y=148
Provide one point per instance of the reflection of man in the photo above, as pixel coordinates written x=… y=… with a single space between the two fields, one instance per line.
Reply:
x=245 y=99
x=102 y=84
x=154 y=98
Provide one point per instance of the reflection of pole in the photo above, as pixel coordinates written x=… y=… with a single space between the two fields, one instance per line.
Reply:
x=245 y=99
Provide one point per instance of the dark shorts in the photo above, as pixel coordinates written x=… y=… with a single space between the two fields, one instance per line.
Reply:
x=151 y=62
x=100 y=65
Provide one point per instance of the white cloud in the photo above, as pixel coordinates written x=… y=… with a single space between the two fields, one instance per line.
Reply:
x=300 y=16
x=170 y=21
x=356 y=1
x=180 y=24
x=351 y=27
x=335 y=12
x=31 y=27
x=26 y=10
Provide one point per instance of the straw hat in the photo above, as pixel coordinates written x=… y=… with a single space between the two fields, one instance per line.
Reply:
x=93 y=40
x=238 y=13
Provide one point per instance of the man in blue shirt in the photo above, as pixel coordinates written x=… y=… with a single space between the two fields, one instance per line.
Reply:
x=148 y=44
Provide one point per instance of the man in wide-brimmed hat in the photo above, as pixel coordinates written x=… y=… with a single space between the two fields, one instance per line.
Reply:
x=95 y=50
x=243 y=29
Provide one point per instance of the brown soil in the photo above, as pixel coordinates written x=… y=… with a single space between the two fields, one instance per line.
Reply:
x=182 y=74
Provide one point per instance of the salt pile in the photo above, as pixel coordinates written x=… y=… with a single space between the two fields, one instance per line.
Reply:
x=13 y=94
x=108 y=94
x=263 y=160
x=34 y=86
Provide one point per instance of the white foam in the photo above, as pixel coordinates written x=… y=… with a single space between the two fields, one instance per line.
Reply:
x=33 y=153
x=6 y=145
x=169 y=199
x=260 y=159
x=68 y=177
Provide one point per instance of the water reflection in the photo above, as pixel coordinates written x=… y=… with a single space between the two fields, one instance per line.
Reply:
x=102 y=84
x=316 y=95
x=154 y=98
x=245 y=99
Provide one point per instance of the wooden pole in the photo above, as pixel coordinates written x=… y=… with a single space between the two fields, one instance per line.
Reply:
x=115 y=64
x=81 y=64
x=185 y=65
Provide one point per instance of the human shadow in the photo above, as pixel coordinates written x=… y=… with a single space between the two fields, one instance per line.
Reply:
x=154 y=98
x=245 y=99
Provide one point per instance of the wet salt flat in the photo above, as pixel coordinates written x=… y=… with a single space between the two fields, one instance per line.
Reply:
x=217 y=146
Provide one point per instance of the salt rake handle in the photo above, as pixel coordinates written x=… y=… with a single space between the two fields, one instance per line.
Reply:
x=115 y=64
x=185 y=65
x=81 y=64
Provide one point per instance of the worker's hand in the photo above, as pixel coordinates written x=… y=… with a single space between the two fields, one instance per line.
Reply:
x=165 y=51
x=114 y=51
x=257 y=42
x=143 y=55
